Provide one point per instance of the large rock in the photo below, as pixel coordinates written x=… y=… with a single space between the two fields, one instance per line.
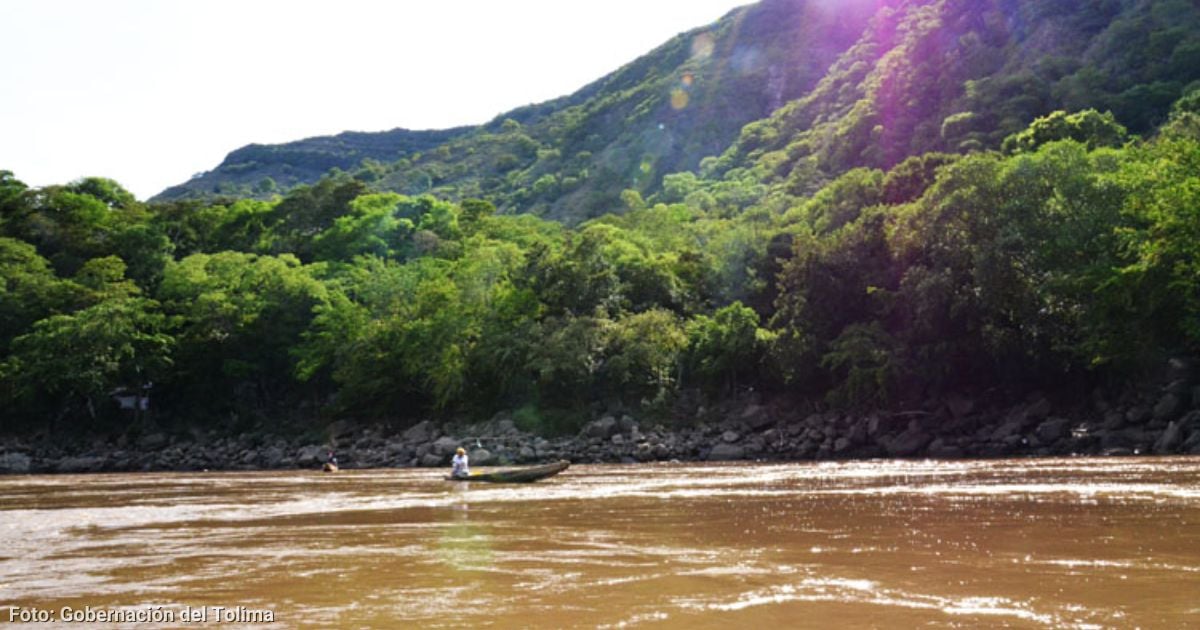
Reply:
x=1012 y=427
x=756 y=417
x=959 y=406
x=730 y=437
x=1169 y=407
x=1170 y=439
x=939 y=449
x=89 y=463
x=272 y=457
x=481 y=457
x=1137 y=415
x=15 y=463
x=444 y=446
x=1020 y=420
x=1053 y=430
x=858 y=432
x=1192 y=444
x=419 y=433
x=429 y=460
x=726 y=452
x=1113 y=420
x=1038 y=410
x=603 y=428
x=309 y=456
x=908 y=443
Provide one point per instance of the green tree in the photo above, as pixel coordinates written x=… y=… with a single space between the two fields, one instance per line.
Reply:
x=306 y=211
x=569 y=358
x=74 y=361
x=472 y=212
x=844 y=199
x=107 y=191
x=1088 y=127
x=13 y=200
x=727 y=348
x=644 y=355
x=104 y=278
x=577 y=278
x=29 y=290
x=908 y=180
x=371 y=227
x=265 y=186
x=238 y=317
x=864 y=356
x=1160 y=281
x=145 y=250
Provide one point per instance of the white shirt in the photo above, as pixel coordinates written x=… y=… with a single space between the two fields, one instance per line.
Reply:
x=460 y=466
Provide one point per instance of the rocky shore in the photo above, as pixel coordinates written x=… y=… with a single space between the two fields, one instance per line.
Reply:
x=1162 y=421
x=757 y=432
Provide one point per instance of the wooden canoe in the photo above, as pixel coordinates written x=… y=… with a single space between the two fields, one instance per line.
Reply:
x=516 y=475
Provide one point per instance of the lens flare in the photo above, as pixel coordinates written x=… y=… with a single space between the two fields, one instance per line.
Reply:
x=679 y=98
x=702 y=46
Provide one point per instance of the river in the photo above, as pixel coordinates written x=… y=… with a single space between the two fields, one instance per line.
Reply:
x=1036 y=543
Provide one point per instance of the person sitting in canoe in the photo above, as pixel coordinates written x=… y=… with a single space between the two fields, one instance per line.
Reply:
x=459 y=463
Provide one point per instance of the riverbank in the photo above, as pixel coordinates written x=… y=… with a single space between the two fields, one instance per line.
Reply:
x=1161 y=421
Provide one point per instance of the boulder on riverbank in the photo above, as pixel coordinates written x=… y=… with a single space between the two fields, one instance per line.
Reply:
x=15 y=463
x=726 y=452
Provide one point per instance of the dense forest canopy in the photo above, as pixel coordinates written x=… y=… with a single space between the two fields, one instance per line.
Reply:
x=953 y=195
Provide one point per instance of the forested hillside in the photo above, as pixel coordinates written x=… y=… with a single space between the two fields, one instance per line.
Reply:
x=962 y=75
x=950 y=197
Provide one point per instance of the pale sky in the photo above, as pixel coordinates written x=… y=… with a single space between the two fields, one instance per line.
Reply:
x=149 y=92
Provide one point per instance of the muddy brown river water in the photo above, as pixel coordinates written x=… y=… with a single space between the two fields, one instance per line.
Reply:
x=1051 y=543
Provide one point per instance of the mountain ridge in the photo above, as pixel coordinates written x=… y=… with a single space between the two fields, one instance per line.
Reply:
x=304 y=161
